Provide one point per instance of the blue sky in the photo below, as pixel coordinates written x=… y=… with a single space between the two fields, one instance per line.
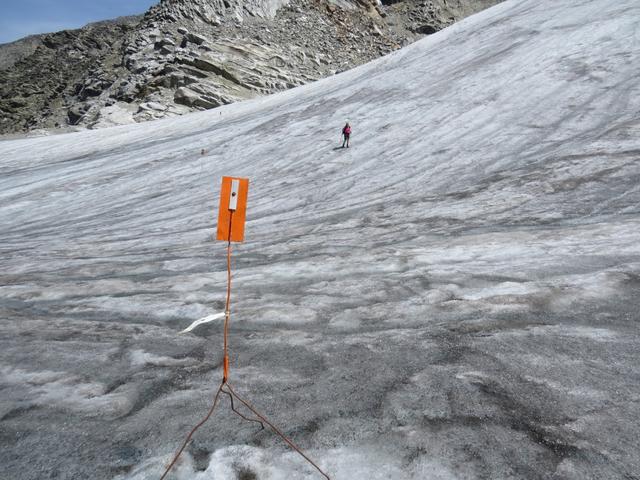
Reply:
x=19 y=18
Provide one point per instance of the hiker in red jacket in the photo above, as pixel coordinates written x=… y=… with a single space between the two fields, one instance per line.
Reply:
x=346 y=132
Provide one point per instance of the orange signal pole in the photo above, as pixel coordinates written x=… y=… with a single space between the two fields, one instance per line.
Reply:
x=227 y=308
x=237 y=236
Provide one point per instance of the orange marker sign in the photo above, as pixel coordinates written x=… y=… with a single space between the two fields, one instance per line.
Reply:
x=233 y=208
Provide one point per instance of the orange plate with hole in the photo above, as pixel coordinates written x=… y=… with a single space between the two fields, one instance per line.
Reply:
x=239 y=187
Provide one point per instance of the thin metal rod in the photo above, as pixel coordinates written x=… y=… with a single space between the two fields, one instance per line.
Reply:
x=237 y=412
x=193 y=430
x=278 y=432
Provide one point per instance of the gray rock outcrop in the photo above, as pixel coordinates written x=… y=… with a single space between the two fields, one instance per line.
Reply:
x=186 y=55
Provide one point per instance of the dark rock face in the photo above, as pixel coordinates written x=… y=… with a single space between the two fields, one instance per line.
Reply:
x=200 y=54
x=45 y=88
x=12 y=52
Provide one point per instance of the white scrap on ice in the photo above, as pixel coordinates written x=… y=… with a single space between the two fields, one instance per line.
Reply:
x=207 y=319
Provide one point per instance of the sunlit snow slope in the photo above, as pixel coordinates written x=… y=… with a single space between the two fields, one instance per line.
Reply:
x=454 y=297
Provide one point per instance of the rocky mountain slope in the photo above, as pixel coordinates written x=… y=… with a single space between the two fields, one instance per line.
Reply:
x=186 y=55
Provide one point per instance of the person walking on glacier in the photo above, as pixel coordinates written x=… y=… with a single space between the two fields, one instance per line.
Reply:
x=346 y=133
